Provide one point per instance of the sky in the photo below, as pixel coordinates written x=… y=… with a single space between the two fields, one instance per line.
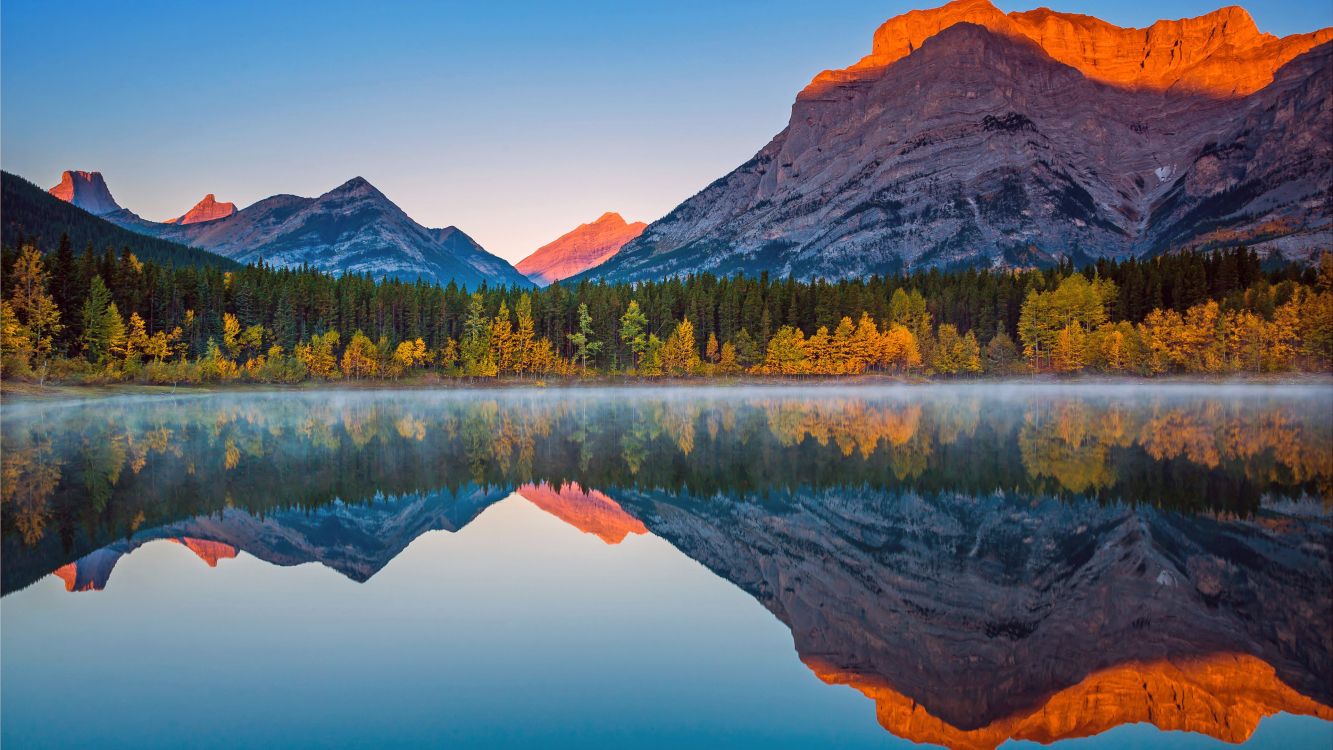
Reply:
x=514 y=121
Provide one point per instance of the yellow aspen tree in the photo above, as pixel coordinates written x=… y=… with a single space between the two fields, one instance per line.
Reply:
x=865 y=344
x=679 y=354
x=786 y=354
x=32 y=306
x=361 y=357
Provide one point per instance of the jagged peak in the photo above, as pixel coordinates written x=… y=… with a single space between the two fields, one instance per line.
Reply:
x=1221 y=53
x=87 y=190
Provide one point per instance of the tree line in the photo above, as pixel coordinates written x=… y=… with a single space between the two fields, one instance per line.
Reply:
x=96 y=317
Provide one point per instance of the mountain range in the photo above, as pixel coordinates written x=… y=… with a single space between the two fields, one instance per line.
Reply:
x=968 y=137
x=971 y=137
x=352 y=228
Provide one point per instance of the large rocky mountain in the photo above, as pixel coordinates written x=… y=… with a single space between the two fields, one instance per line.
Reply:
x=579 y=249
x=974 y=137
x=353 y=228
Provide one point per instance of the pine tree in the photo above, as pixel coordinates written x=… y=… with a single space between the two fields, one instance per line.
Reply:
x=475 y=347
x=632 y=326
x=103 y=328
x=584 y=345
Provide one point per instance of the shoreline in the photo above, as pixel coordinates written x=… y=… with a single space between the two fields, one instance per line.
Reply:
x=24 y=392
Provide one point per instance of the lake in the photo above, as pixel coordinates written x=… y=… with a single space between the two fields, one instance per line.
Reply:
x=1093 y=565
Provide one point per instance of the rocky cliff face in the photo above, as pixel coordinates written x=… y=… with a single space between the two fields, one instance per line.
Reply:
x=87 y=190
x=972 y=137
x=585 y=246
x=353 y=228
x=1220 y=54
x=971 y=620
x=207 y=209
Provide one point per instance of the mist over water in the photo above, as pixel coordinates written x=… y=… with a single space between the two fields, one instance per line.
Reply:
x=741 y=566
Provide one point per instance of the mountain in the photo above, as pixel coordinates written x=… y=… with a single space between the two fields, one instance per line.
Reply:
x=971 y=137
x=87 y=190
x=207 y=209
x=581 y=248
x=33 y=215
x=353 y=228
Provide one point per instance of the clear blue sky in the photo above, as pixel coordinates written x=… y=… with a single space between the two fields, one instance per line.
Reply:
x=512 y=120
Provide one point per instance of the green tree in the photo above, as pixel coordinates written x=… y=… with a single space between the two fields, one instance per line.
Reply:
x=584 y=345
x=633 y=324
x=475 y=348
x=103 y=328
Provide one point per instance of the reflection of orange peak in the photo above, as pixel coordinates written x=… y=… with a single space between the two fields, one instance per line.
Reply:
x=588 y=511
x=1223 y=696
x=209 y=552
x=69 y=573
x=1221 y=53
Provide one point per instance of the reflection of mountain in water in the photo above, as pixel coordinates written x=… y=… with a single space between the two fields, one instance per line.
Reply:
x=983 y=568
x=969 y=621
x=355 y=539
x=959 y=613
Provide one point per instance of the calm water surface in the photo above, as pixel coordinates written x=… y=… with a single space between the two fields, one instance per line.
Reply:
x=971 y=566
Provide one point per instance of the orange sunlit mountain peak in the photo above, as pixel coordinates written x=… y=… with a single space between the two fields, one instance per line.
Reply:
x=1223 y=696
x=589 y=511
x=207 y=209
x=581 y=248
x=1221 y=53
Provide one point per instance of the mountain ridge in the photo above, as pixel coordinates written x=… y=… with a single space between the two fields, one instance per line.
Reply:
x=352 y=228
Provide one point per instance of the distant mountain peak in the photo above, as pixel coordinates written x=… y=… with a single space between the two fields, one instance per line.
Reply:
x=356 y=186
x=581 y=248
x=87 y=190
x=207 y=209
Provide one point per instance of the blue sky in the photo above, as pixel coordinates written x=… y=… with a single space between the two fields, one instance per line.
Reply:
x=514 y=121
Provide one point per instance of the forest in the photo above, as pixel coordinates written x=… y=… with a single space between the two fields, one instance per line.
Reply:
x=111 y=316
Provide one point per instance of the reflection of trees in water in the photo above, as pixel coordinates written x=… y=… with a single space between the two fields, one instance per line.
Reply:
x=1069 y=444
x=28 y=477
x=98 y=471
